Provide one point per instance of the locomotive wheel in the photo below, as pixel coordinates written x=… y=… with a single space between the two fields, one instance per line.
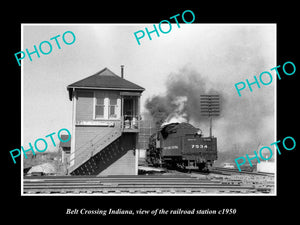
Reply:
x=203 y=167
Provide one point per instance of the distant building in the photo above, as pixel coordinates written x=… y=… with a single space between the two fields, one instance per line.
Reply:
x=147 y=128
x=105 y=126
x=40 y=158
x=65 y=149
x=266 y=166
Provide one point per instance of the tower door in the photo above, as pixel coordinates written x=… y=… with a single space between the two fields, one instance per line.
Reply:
x=128 y=107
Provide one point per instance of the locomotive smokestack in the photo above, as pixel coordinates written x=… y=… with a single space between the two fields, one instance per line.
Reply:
x=122 y=71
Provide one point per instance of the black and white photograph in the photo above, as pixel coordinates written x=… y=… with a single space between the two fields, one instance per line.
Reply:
x=109 y=113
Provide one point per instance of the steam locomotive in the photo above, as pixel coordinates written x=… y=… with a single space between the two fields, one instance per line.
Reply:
x=181 y=146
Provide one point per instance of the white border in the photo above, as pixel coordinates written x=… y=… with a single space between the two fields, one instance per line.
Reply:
x=142 y=24
x=22 y=110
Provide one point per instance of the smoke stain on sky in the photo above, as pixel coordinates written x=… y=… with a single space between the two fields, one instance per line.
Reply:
x=245 y=121
x=224 y=56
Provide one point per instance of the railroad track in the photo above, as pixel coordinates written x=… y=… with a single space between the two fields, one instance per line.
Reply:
x=227 y=171
x=134 y=185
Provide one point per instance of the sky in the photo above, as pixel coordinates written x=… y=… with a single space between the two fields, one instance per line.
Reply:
x=222 y=54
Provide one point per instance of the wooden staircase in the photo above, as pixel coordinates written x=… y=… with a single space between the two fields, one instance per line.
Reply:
x=93 y=157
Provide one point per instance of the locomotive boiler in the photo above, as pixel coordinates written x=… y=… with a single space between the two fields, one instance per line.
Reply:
x=181 y=146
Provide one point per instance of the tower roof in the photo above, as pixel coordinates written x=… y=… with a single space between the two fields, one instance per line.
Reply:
x=105 y=80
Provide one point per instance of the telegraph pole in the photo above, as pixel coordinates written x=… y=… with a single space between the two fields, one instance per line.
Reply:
x=210 y=126
x=210 y=106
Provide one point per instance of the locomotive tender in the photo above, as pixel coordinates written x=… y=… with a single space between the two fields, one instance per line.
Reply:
x=181 y=146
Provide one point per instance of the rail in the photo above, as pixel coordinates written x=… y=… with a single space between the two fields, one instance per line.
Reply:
x=135 y=185
x=228 y=170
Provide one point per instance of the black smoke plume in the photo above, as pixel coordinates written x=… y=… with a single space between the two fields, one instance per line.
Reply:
x=182 y=99
x=241 y=126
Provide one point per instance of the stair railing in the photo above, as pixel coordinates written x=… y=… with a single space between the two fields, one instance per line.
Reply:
x=92 y=147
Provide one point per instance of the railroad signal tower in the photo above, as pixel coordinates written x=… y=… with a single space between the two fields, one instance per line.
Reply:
x=210 y=106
